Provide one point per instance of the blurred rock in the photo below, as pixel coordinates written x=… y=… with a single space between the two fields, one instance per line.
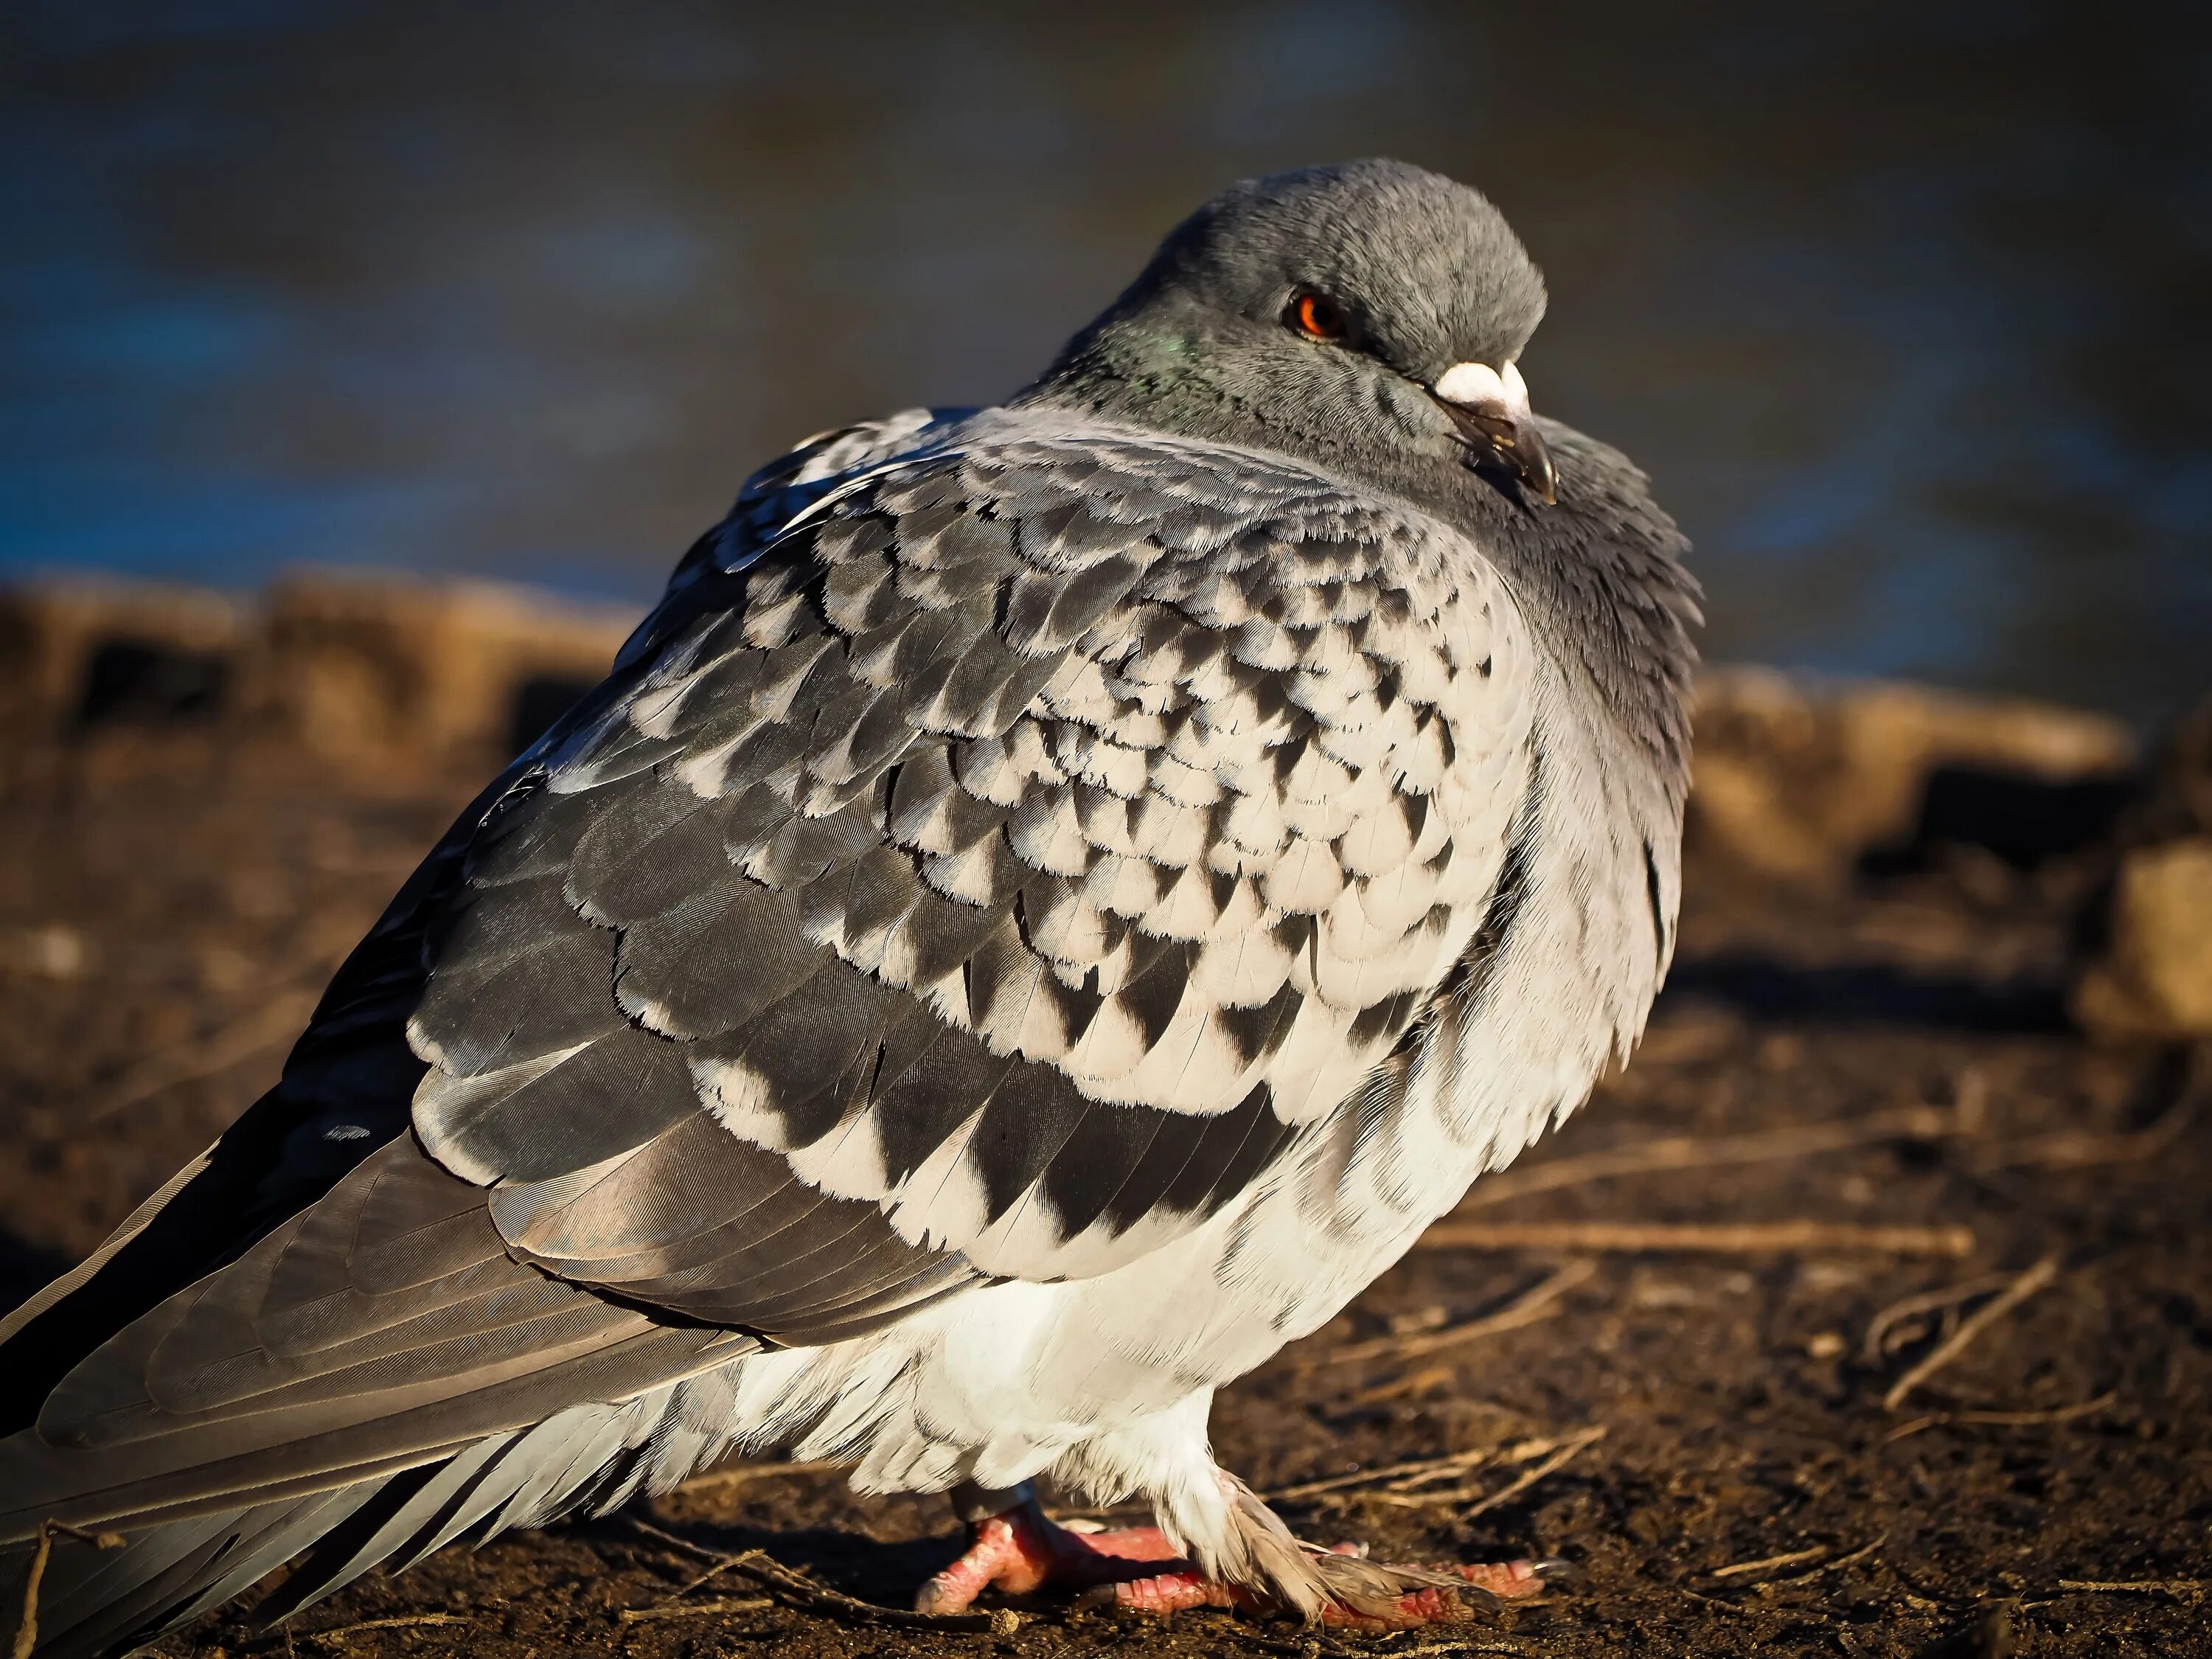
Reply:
x=346 y=664
x=376 y=663
x=2148 y=972
x=89 y=651
x=2177 y=801
x=54 y=952
x=1800 y=778
x=2154 y=977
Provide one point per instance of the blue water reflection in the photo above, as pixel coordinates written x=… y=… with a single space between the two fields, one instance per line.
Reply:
x=1906 y=307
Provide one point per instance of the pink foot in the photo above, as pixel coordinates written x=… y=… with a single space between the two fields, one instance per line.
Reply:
x=1186 y=1587
x=1019 y=1551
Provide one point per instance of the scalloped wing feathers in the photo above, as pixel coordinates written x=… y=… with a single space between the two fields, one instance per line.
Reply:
x=1025 y=848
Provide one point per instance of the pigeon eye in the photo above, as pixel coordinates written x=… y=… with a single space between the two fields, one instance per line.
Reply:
x=1316 y=316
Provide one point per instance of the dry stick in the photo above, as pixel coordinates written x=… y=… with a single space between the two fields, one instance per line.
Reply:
x=1736 y=1569
x=269 y=1024
x=758 y=1563
x=2075 y=1149
x=398 y=1621
x=26 y=1632
x=1398 y=1384
x=1523 y=1451
x=1312 y=1645
x=1419 y=1467
x=1526 y=1309
x=1923 y=1302
x=739 y=1475
x=2191 y=1588
x=722 y=1563
x=1747 y=1238
x=2020 y=1419
x=2035 y=1278
x=1572 y=1446
x=695 y=1609
x=1840 y=1562
x=1413 y=1473
x=1694 y=1152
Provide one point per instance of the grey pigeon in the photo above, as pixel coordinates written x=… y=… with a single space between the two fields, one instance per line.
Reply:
x=1051 y=903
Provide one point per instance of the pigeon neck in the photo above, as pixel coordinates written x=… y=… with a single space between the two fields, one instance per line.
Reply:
x=1147 y=376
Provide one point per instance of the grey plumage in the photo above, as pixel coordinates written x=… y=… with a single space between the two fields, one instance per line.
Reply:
x=1029 y=846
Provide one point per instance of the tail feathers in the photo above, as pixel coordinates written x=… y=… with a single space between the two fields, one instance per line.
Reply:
x=406 y=1511
x=93 y=1602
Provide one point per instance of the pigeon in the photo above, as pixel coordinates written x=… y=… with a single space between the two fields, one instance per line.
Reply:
x=1049 y=904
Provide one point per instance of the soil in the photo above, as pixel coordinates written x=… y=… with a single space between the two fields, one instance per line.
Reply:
x=170 y=900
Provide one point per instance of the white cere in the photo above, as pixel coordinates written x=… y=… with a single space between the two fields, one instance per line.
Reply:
x=1471 y=384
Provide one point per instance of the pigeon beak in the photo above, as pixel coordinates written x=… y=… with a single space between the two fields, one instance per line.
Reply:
x=1489 y=407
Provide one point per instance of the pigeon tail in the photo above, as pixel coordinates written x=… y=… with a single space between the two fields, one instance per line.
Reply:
x=97 y=1591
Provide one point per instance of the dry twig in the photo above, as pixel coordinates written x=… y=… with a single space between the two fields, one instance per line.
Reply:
x=1795 y=1557
x=1706 y=1151
x=2077 y=1149
x=397 y=1621
x=27 y=1631
x=760 y=1566
x=672 y=1610
x=1416 y=1473
x=2035 y=1278
x=2019 y=1420
x=1416 y=1469
x=1880 y=1328
x=1567 y=1449
x=1745 y=1238
x=742 y=1475
x=1840 y=1562
x=2190 y=1589
x=267 y=1023
x=1526 y=1309
x=1737 y=1570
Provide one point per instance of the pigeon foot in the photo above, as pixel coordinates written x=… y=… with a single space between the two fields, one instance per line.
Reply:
x=1019 y=1550
x=1340 y=1586
x=1425 y=1595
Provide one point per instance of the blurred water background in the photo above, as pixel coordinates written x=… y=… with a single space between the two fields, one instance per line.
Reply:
x=1905 y=305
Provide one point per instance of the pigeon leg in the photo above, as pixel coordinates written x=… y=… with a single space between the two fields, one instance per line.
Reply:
x=1014 y=1548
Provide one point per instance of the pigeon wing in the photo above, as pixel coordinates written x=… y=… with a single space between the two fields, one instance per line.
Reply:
x=1026 y=850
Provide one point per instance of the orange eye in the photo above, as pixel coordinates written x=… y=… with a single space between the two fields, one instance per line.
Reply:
x=1316 y=317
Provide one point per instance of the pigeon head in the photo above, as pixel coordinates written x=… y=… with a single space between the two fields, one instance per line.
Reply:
x=1367 y=312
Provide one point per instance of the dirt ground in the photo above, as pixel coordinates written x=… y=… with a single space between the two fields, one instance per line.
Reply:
x=1703 y=1434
